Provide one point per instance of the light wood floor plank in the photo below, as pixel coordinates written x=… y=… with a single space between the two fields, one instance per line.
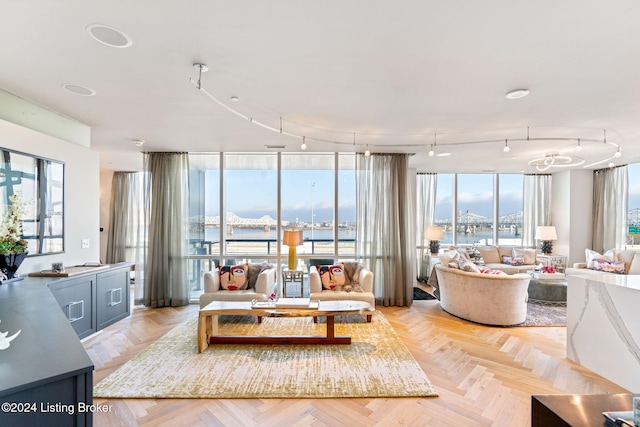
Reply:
x=485 y=377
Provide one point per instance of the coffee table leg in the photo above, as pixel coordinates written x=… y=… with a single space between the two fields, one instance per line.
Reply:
x=202 y=333
x=330 y=327
x=207 y=326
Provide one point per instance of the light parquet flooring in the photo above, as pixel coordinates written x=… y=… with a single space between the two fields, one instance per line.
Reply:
x=485 y=377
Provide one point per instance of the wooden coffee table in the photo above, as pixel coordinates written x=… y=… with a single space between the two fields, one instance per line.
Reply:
x=208 y=322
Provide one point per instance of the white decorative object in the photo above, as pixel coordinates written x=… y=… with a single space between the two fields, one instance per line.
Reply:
x=5 y=341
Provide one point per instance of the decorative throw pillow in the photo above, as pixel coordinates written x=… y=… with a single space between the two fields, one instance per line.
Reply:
x=449 y=256
x=528 y=255
x=466 y=265
x=609 y=266
x=626 y=257
x=512 y=260
x=234 y=277
x=332 y=276
x=593 y=255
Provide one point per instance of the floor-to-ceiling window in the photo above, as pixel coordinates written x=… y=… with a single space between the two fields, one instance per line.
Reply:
x=633 y=233
x=510 y=199
x=444 y=206
x=308 y=202
x=475 y=209
x=251 y=205
x=472 y=212
x=239 y=201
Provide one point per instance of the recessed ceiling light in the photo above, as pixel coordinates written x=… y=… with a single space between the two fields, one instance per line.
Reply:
x=518 y=93
x=78 y=90
x=109 y=36
x=139 y=142
x=235 y=99
x=443 y=154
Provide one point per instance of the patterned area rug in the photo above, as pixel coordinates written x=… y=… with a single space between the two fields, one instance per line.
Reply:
x=420 y=295
x=376 y=364
x=545 y=315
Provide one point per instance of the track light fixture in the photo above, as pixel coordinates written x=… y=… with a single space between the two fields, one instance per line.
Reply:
x=549 y=160
x=366 y=151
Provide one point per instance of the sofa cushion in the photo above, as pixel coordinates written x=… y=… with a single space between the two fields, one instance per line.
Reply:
x=634 y=267
x=505 y=251
x=332 y=276
x=609 y=266
x=528 y=255
x=593 y=255
x=234 y=278
x=490 y=254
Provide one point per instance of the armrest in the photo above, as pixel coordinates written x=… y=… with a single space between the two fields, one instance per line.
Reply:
x=212 y=281
x=315 y=285
x=266 y=282
x=366 y=280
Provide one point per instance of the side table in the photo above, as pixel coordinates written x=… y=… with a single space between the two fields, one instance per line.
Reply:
x=291 y=277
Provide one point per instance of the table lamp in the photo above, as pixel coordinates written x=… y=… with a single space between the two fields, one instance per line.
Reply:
x=292 y=238
x=434 y=234
x=546 y=234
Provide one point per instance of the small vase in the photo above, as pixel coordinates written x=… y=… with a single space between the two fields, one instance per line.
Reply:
x=9 y=264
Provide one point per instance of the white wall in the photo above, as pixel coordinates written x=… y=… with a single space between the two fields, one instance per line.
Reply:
x=572 y=213
x=82 y=193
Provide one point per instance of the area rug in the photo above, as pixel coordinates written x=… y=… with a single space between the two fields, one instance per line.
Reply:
x=420 y=295
x=545 y=315
x=376 y=364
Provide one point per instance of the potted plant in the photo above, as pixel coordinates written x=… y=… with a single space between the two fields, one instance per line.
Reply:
x=13 y=248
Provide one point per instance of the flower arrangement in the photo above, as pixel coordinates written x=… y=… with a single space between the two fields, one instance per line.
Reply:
x=11 y=241
x=549 y=269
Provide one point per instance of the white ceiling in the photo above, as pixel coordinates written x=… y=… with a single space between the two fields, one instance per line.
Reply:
x=394 y=73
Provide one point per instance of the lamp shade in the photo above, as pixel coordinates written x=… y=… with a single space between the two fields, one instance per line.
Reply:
x=546 y=233
x=292 y=237
x=434 y=232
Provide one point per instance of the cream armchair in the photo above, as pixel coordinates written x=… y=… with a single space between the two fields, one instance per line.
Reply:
x=364 y=280
x=262 y=283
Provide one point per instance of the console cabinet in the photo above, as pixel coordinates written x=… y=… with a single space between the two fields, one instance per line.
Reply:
x=94 y=301
x=77 y=299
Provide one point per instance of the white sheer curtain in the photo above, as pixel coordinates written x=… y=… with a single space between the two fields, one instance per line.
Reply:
x=127 y=226
x=385 y=238
x=167 y=195
x=536 y=206
x=610 y=206
x=426 y=204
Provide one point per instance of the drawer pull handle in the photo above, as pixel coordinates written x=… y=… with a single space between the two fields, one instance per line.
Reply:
x=112 y=296
x=69 y=310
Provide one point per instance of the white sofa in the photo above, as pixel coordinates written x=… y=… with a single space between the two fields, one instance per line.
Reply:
x=365 y=279
x=490 y=299
x=260 y=287
x=631 y=261
x=493 y=256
